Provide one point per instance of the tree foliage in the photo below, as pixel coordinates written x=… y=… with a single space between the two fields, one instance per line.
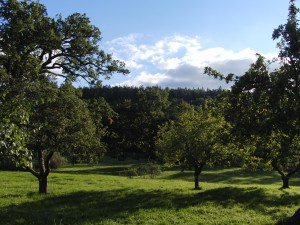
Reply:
x=71 y=45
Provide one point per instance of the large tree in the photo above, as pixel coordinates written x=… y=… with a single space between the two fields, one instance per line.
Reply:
x=264 y=105
x=34 y=49
x=262 y=109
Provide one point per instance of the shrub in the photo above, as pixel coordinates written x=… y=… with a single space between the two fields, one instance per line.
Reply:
x=150 y=169
x=57 y=161
x=131 y=172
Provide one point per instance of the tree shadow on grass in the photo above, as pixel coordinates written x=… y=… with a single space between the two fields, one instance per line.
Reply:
x=98 y=170
x=94 y=207
x=105 y=168
x=235 y=176
x=225 y=176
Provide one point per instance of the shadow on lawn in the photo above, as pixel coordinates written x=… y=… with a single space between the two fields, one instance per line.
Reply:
x=99 y=170
x=235 y=176
x=117 y=205
x=105 y=168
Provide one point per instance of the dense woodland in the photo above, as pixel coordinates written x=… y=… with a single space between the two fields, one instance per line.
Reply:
x=256 y=124
x=133 y=115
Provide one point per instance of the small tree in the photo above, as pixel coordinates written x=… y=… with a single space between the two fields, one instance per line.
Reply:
x=62 y=124
x=195 y=140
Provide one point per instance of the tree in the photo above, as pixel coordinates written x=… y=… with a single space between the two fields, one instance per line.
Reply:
x=261 y=109
x=150 y=113
x=35 y=48
x=195 y=140
x=264 y=106
x=62 y=124
x=287 y=93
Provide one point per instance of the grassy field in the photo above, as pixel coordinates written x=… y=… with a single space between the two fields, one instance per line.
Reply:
x=98 y=195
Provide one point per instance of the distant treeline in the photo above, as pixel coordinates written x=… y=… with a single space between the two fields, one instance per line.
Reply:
x=117 y=94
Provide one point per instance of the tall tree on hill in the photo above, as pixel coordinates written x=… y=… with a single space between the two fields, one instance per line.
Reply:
x=264 y=106
x=35 y=48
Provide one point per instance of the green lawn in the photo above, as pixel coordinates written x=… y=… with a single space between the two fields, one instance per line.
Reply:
x=98 y=195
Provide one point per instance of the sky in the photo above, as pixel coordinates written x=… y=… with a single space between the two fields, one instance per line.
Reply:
x=167 y=43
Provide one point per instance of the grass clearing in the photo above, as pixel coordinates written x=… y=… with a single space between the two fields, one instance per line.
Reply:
x=86 y=195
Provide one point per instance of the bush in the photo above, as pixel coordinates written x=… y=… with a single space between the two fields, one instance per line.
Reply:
x=131 y=172
x=57 y=161
x=150 y=169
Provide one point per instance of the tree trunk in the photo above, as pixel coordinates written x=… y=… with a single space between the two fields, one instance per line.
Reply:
x=44 y=170
x=285 y=177
x=196 y=179
x=198 y=170
x=285 y=181
x=43 y=185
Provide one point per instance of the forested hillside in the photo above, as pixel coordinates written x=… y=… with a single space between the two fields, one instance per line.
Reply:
x=134 y=114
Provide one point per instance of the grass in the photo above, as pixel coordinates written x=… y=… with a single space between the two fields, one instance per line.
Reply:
x=86 y=195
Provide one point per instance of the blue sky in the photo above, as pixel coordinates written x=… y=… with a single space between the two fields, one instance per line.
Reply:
x=168 y=42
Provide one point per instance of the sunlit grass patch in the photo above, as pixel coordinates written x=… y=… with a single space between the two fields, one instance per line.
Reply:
x=96 y=194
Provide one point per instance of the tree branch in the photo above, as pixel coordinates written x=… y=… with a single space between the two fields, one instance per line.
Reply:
x=32 y=171
x=47 y=163
x=277 y=169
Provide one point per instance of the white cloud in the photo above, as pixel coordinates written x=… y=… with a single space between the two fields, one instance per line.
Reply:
x=177 y=61
x=128 y=49
x=145 y=79
x=168 y=64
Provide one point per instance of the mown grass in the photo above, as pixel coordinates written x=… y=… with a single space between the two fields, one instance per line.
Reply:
x=85 y=195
